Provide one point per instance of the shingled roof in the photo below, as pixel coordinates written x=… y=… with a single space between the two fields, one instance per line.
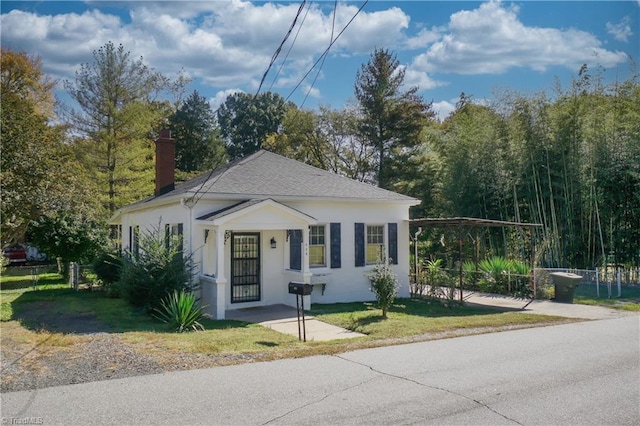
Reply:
x=268 y=175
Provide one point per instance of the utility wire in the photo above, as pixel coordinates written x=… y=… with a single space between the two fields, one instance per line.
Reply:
x=201 y=190
x=333 y=26
x=304 y=18
x=326 y=50
x=279 y=49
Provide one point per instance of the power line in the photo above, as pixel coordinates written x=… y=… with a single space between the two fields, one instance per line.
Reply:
x=333 y=26
x=304 y=18
x=277 y=52
x=326 y=50
x=201 y=190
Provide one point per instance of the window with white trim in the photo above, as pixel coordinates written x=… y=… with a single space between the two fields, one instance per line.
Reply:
x=375 y=244
x=317 y=246
x=173 y=234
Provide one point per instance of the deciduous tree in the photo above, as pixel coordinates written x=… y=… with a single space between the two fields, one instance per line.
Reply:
x=246 y=121
x=118 y=112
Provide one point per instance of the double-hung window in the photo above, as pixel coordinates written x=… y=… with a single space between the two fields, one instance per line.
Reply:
x=173 y=235
x=134 y=240
x=375 y=244
x=317 y=246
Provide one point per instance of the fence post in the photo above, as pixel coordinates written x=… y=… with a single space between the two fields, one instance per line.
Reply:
x=73 y=275
x=619 y=282
x=597 y=283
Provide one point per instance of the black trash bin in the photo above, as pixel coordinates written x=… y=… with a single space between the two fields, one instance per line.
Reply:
x=565 y=284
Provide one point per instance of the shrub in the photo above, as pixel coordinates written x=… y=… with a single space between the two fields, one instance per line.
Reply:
x=504 y=276
x=107 y=267
x=181 y=311
x=158 y=269
x=384 y=284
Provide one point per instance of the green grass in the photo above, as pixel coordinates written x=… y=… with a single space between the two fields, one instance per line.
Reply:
x=30 y=316
x=411 y=317
x=629 y=299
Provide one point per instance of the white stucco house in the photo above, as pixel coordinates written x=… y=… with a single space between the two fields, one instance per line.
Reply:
x=258 y=223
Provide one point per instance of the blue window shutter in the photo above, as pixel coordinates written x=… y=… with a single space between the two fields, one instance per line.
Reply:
x=393 y=243
x=295 y=249
x=359 y=243
x=336 y=257
x=167 y=236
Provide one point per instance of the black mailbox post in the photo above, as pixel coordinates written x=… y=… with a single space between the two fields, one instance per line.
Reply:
x=300 y=290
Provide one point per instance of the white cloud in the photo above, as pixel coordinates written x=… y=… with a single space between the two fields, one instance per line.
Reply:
x=221 y=96
x=492 y=40
x=423 y=38
x=443 y=109
x=225 y=44
x=622 y=30
x=421 y=79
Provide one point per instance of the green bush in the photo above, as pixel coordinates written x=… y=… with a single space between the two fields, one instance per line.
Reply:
x=504 y=276
x=157 y=270
x=384 y=284
x=181 y=311
x=107 y=267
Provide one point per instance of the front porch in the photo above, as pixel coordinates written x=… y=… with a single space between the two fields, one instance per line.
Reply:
x=246 y=256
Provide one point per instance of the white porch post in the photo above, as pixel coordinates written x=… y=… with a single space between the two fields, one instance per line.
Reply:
x=221 y=279
x=306 y=272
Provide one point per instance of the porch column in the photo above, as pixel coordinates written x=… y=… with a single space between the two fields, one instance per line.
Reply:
x=306 y=272
x=221 y=279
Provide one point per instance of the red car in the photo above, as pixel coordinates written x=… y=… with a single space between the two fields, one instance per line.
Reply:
x=16 y=253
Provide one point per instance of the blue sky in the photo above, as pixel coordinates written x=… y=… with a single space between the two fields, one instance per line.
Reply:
x=446 y=47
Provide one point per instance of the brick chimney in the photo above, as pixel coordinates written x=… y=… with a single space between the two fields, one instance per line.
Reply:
x=165 y=162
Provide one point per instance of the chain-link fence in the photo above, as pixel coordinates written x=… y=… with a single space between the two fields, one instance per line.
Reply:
x=81 y=276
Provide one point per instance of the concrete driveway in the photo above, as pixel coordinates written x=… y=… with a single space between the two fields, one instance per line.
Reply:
x=544 y=307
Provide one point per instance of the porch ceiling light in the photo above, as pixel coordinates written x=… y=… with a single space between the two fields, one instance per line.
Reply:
x=273 y=242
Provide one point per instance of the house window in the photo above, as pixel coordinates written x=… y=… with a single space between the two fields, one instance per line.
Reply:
x=173 y=234
x=317 y=246
x=134 y=240
x=375 y=244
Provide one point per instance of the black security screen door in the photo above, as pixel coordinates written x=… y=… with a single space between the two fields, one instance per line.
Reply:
x=245 y=268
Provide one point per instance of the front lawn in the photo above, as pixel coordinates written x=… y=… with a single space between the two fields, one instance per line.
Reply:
x=52 y=317
x=414 y=317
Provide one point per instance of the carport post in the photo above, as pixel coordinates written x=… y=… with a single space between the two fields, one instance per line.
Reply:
x=460 y=260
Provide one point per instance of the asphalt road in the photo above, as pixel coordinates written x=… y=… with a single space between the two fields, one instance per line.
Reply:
x=580 y=374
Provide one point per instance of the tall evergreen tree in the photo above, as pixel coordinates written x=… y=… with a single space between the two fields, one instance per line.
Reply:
x=392 y=119
x=198 y=144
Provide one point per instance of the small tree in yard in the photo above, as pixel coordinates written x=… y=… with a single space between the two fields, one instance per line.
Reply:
x=384 y=284
x=157 y=270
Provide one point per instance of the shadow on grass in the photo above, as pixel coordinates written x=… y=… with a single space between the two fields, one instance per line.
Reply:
x=427 y=307
x=83 y=312
x=268 y=344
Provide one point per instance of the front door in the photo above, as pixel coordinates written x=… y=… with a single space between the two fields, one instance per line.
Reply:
x=245 y=267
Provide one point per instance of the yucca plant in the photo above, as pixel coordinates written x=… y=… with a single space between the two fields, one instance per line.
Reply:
x=181 y=311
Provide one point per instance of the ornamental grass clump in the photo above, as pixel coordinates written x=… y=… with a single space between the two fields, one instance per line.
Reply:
x=181 y=311
x=384 y=283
